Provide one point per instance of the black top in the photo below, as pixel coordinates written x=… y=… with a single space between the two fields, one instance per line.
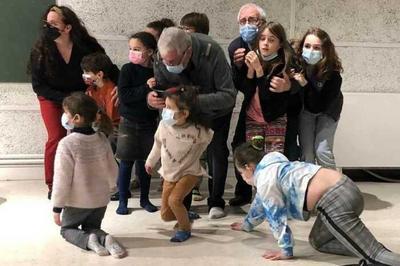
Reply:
x=84 y=130
x=273 y=104
x=132 y=93
x=66 y=78
x=324 y=96
x=238 y=74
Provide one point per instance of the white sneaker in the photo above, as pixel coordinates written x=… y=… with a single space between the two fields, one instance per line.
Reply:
x=216 y=213
x=115 y=249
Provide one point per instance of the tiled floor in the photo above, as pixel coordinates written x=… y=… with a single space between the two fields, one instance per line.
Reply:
x=28 y=235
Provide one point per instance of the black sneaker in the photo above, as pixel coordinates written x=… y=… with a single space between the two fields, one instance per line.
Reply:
x=239 y=201
x=115 y=196
x=49 y=194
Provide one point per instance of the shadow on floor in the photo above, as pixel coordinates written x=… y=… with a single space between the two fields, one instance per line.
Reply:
x=373 y=203
x=2 y=200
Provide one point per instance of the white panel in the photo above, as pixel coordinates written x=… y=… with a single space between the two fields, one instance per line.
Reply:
x=368 y=134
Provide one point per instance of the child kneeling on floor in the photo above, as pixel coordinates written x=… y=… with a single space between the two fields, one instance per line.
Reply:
x=84 y=174
x=179 y=141
x=295 y=189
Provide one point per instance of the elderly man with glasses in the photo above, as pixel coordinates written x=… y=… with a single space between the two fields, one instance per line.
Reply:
x=250 y=18
x=196 y=59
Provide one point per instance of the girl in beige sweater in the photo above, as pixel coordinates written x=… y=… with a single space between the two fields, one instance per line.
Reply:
x=180 y=140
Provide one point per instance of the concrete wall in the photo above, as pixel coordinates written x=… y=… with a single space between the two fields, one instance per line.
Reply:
x=366 y=33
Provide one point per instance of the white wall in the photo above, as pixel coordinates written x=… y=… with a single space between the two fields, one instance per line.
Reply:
x=366 y=33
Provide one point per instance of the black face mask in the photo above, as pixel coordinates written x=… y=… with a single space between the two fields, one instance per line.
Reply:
x=51 y=33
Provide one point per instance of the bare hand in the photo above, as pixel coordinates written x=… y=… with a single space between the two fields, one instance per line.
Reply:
x=275 y=255
x=237 y=226
x=151 y=82
x=299 y=77
x=57 y=218
x=280 y=84
x=154 y=101
x=238 y=57
x=148 y=168
x=114 y=96
x=253 y=60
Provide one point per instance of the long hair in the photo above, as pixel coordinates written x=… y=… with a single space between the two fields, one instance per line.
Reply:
x=330 y=60
x=86 y=107
x=285 y=52
x=44 y=50
x=186 y=98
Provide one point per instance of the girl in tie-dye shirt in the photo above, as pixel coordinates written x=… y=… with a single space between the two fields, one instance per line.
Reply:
x=294 y=189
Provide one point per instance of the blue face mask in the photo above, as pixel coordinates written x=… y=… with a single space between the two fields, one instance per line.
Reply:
x=248 y=32
x=168 y=117
x=175 y=69
x=64 y=122
x=311 y=57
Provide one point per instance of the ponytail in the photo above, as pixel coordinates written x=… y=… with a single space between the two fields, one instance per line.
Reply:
x=103 y=123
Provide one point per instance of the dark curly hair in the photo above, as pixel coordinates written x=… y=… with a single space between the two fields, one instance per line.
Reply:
x=44 y=50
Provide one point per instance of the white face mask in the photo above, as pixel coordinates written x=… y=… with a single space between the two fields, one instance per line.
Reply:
x=168 y=117
x=311 y=57
x=65 y=123
x=267 y=58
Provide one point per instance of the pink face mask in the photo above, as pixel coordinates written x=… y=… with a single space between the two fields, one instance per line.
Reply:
x=136 y=57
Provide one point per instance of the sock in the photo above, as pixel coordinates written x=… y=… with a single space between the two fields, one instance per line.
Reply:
x=181 y=236
x=148 y=206
x=93 y=244
x=115 y=249
x=122 y=207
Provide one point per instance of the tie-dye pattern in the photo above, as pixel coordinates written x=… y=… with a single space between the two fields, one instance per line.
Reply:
x=281 y=187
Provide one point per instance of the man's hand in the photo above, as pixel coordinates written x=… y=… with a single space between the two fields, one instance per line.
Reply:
x=280 y=84
x=114 y=96
x=154 y=101
x=57 y=218
x=275 y=255
x=151 y=82
x=237 y=226
x=238 y=57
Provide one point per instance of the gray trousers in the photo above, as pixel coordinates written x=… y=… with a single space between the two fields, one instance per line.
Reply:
x=339 y=230
x=90 y=222
x=316 y=135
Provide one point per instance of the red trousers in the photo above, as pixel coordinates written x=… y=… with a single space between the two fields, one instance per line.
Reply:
x=51 y=114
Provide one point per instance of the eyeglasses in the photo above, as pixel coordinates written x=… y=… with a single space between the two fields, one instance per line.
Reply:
x=249 y=20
